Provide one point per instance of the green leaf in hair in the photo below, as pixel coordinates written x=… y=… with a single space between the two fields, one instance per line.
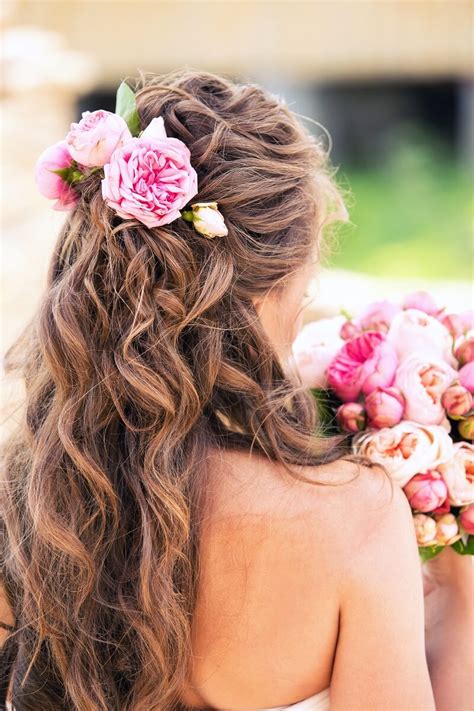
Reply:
x=126 y=107
x=70 y=174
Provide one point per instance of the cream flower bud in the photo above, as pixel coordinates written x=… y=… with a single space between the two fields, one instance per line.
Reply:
x=425 y=529
x=447 y=529
x=207 y=219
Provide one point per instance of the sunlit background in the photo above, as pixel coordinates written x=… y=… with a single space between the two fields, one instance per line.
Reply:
x=392 y=82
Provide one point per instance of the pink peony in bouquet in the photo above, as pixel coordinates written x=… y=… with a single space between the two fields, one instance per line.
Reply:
x=400 y=379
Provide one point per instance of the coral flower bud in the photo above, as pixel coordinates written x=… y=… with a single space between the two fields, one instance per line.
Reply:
x=453 y=323
x=456 y=400
x=351 y=417
x=466 y=517
x=384 y=407
x=466 y=376
x=349 y=330
x=465 y=351
x=447 y=529
x=426 y=492
x=425 y=529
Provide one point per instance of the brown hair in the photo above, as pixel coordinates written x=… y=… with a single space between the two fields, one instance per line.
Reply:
x=146 y=353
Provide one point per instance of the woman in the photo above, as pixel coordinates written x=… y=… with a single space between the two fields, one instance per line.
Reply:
x=177 y=531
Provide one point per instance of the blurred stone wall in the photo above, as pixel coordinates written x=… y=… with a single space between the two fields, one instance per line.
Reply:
x=316 y=40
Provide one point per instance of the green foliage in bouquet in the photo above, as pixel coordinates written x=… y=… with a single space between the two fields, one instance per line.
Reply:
x=327 y=403
x=464 y=548
x=427 y=552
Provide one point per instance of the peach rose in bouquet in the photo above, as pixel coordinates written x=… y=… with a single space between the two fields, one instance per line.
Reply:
x=406 y=449
x=458 y=474
x=422 y=381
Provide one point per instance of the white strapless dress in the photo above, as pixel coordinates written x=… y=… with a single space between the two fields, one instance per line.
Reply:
x=317 y=702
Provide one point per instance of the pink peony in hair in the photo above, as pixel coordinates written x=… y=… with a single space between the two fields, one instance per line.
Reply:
x=150 y=178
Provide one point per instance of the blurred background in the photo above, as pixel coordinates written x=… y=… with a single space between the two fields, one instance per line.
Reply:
x=391 y=81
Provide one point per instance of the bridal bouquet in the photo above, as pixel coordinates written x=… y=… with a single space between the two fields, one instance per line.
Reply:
x=400 y=379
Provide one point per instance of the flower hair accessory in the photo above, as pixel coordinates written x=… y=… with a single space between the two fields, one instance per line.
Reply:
x=147 y=175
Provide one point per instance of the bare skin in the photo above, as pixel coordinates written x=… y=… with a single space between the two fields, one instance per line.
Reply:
x=281 y=612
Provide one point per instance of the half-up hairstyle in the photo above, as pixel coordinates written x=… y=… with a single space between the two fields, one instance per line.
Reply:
x=145 y=354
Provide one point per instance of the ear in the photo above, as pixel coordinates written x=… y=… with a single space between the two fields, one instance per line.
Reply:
x=258 y=304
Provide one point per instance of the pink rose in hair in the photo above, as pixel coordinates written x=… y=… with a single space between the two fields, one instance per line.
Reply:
x=150 y=178
x=422 y=381
x=366 y=362
x=98 y=134
x=426 y=492
x=50 y=184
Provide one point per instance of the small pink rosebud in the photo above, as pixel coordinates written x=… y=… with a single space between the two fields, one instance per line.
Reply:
x=466 y=428
x=466 y=376
x=447 y=529
x=465 y=351
x=422 y=301
x=454 y=324
x=349 y=330
x=426 y=492
x=49 y=182
x=456 y=400
x=425 y=529
x=466 y=517
x=384 y=407
x=351 y=417
x=207 y=219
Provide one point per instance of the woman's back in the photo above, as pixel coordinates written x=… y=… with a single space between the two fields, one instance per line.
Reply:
x=276 y=555
x=164 y=333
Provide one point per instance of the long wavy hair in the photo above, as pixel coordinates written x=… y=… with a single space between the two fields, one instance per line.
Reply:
x=145 y=354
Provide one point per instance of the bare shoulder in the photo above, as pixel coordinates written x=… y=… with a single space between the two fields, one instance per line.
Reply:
x=242 y=481
x=342 y=502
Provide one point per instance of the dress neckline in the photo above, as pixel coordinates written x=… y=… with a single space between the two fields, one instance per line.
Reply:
x=303 y=705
